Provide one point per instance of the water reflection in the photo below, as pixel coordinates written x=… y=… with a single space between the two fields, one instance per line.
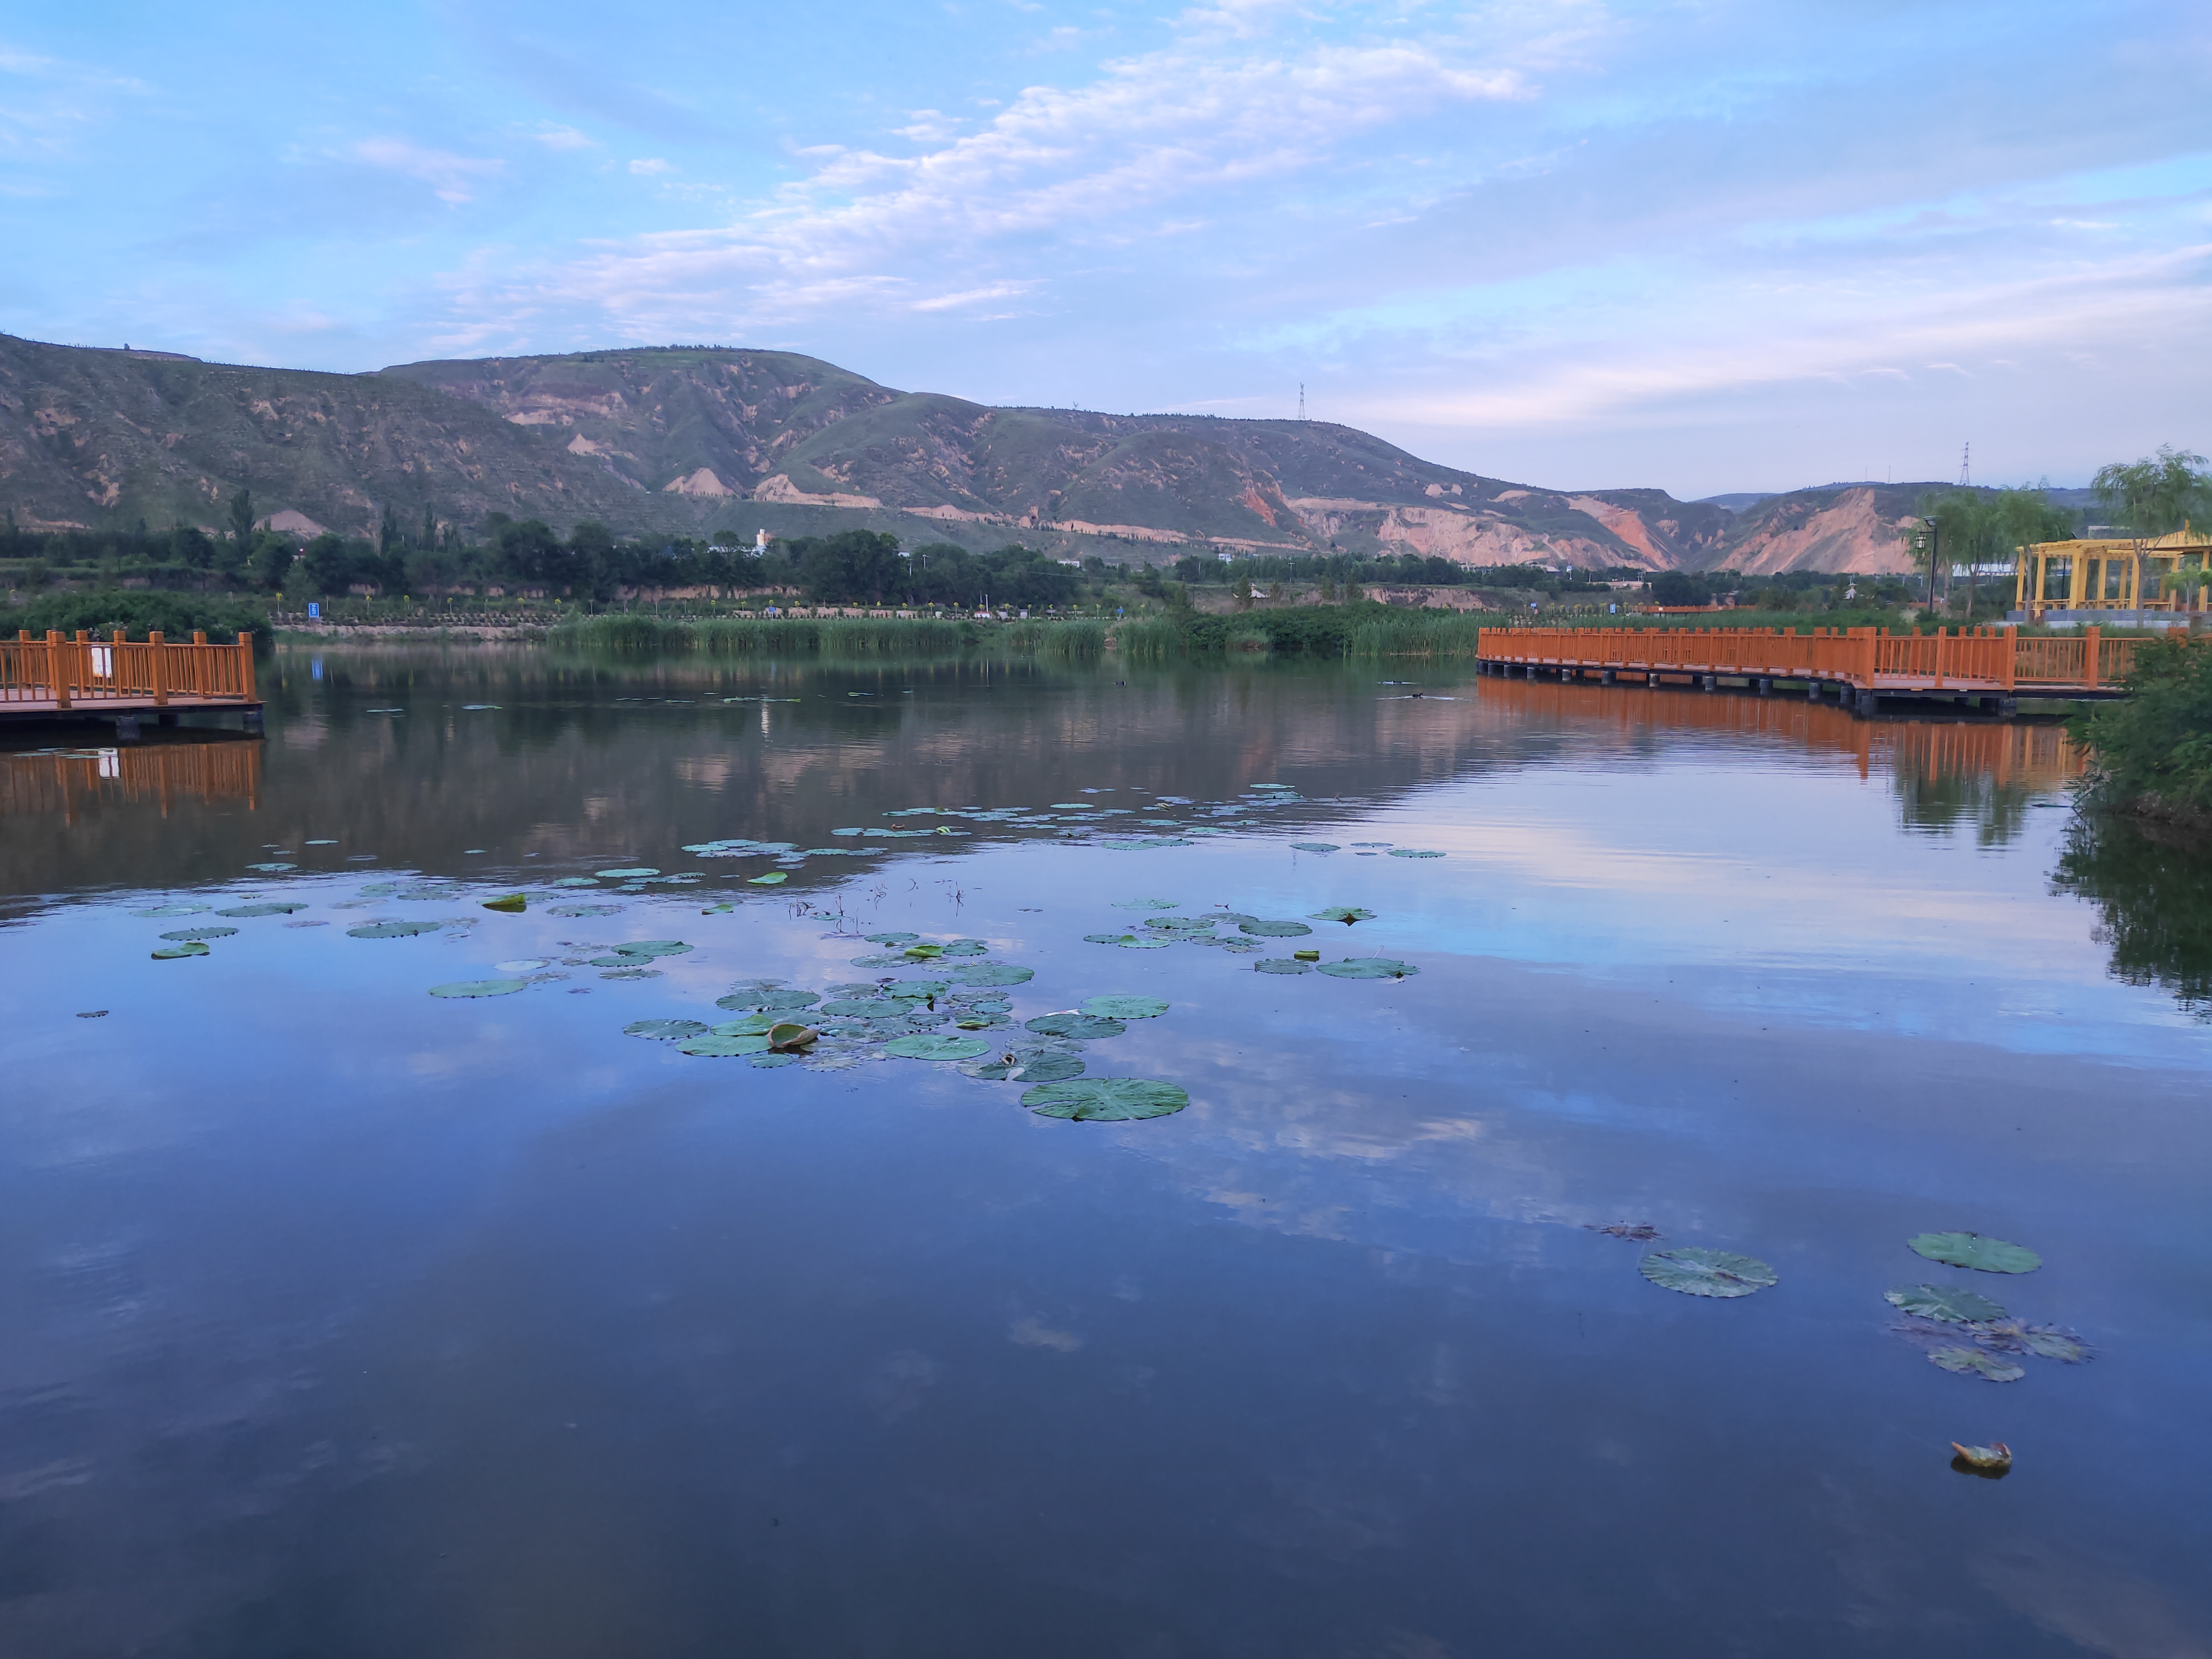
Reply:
x=2152 y=889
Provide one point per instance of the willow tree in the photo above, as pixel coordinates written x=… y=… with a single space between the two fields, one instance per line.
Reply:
x=2152 y=497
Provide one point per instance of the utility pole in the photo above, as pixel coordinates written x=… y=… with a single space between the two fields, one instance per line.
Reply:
x=1967 y=466
x=1302 y=400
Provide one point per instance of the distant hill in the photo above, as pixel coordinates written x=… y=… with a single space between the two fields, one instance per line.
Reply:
x=684 y=441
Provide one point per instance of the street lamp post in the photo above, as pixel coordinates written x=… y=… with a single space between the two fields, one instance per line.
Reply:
x=1929 y=539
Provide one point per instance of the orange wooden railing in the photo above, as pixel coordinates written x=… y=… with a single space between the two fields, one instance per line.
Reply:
x=71 y=672
x=1985 y=658
x=64 y=785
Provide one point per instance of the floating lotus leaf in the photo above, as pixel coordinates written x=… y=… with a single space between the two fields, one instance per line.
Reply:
x=631 y=973
x=1992 y=1255
x=973 y=1021
x=1341 y=913
x=990 y=1005
x=1125 y=1007
x=1180 y=925
x=1315 y=846
x=882 y=959
x=1696 y=1271
x=1973 y=1362
x=790 y=1037
x=1413 y=853
x=392 y=929
x=774 y=878
x=428 y=892
x=272 y=868
x=1948 y=1303
x=1282 y=965
x=725 y=1048
x=625 y=875
x=200 y=932
x=770 y=1060
x=1106 y=939
x=892 y=938
x=1232 y=918
x=1105 y=1099
x=1145 y=942
x=262 y=910
x=478 y=988
x=994 y=973
x=751 y=1025
x=1273 y=929
x=1025 y=1065
x=2014 y=1336
x=664 y=1031
x=171 y=952
x=1306 y=956
x=512 y=904
x=768 y=1000
x=966 y=947
x=923 y=952
x=585 y=910
x=477 y=707
x=1070 y=1024
x=614 y=961
x=913 y=990
x=164 y=911
x=523 y=965
x=574 y=881
x=655 y=947
x=1369 y=968
x=925 y=1047
x=864 y=1008
x=1147 y=904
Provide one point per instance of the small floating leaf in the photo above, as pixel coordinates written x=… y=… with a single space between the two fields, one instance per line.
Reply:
x=262 y=910
x=923 y=952
x=1315 y=846
x=631 y=973
x=392 y=929
x=1973 y=1362
x=1991 y=1463
x=1341 y=913
x=655 y=947
x=923 y=1046
x=864 y=1008
x=1273 y=929
x=1180 y=924
x=1950 y=1303
x=892 y=938
x=189 y=948
x=1147 y=904
x=768 y=1001
x=1992 y=1255
x=1070 y=1024
x=626 y=875
x=1134 y=942
x=512 y=904
x=1125 y=1007
x=1413 y=853
x=1642 y=1231
x=1369 y=968
x=575 y=881
x=774 y=878
x=664 y=1031
x=478 y=988
x=1105 y=1099
x=272 y=868
x=1306 y=956
x=725 y=1048
x=2046 y=1341
x=200 y=932
x=1696 y=1271
x=167 y=910
x=769 y=1061
x=790 y=1037
x=1281 y=965
x=572 y=910
x=1025 y=1065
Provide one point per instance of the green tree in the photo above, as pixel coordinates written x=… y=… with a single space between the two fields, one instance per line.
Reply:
x=2154 y=497
x=242 y=517
x=389 y=536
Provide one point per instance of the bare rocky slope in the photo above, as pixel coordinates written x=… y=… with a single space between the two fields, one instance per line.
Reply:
x=688 y=441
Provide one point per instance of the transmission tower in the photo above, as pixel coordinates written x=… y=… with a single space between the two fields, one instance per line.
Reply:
x=1302 y=400
x=1966 y=466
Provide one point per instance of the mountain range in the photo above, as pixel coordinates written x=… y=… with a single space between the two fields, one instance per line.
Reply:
x=695 y=441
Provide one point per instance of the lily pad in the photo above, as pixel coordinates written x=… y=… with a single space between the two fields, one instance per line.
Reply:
x=200 y=932
x=1105 y=1099
x=189 y=948
x=1413 y=853
x=478 y=988
x=1992 y=1255
x=1273 y=929
x=655 y=947
x=574 y=910
x=1143 y=942
x=1125 y=1007
x=1315 y=846
x=271 y=869
x=725 y=1048
x=1369 y=968
x=865 y=1008
x=165 y=911
x=664 y=1031
x=626 y=875
x=1696 y=1271
x=1948 y=1303
x=1282 y=965
x=262 y=910
x=789 y=1036
x=1070 y=1024
x=751 y=1025
x=892 y=938
x=921 y=1046
x=922 y=953
x=2045 y=1341
x=1974 y=1362
x=1180 y=925
x=992 y=973
x=768 y=1001
x=774 y=878
x=1147 y=904
x=575 y=881
x=1025 y=1065
x=512 y=904
x=392 y=929
x=632 y=973
x=1344 y=914
x=966 y=947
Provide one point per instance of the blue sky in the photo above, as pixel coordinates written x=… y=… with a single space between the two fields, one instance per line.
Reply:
x=1705 y=246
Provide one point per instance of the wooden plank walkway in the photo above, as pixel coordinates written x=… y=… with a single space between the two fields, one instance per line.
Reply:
x=124 y=680
x=1862 y=663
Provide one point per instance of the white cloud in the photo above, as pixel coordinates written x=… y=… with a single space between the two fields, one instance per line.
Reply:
x=564 y=139
x=650 y=167
x=452 y=179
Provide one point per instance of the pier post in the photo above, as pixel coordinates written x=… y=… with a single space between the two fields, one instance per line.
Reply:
x=253 y=722
x=1608 y=677
x=1766 y=687
x=1652 y=681
x=126 y=728
x=1865 y=706
x=1712 y=682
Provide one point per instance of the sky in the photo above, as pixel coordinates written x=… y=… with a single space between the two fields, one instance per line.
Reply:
x=1704 y=246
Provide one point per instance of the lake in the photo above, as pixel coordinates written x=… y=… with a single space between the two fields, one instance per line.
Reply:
x=338 y=1318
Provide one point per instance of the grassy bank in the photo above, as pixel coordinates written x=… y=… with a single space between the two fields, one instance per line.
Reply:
x=2152 y=754
x=137 y=612
x=1321 y=630
x=834 y=637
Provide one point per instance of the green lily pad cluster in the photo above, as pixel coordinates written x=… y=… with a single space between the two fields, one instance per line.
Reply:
x=1967 y=1331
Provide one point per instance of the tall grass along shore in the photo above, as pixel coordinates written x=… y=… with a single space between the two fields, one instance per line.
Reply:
x=839 y=636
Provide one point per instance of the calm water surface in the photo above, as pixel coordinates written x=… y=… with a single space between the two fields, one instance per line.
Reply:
x=336 y=1319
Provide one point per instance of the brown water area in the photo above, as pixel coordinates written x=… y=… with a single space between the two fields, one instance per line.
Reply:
x=389 y=1278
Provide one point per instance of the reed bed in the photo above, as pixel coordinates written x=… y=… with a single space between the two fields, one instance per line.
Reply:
x=830 y=636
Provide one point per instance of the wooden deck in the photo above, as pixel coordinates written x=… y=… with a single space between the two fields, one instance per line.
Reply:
x=58 y=678
x=1987 y=664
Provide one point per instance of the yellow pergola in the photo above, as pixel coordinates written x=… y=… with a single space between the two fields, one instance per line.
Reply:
x=2103 y=575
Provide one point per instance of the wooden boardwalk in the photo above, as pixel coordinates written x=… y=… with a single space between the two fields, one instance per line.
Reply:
x=1986 y=667
x=125 y=681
